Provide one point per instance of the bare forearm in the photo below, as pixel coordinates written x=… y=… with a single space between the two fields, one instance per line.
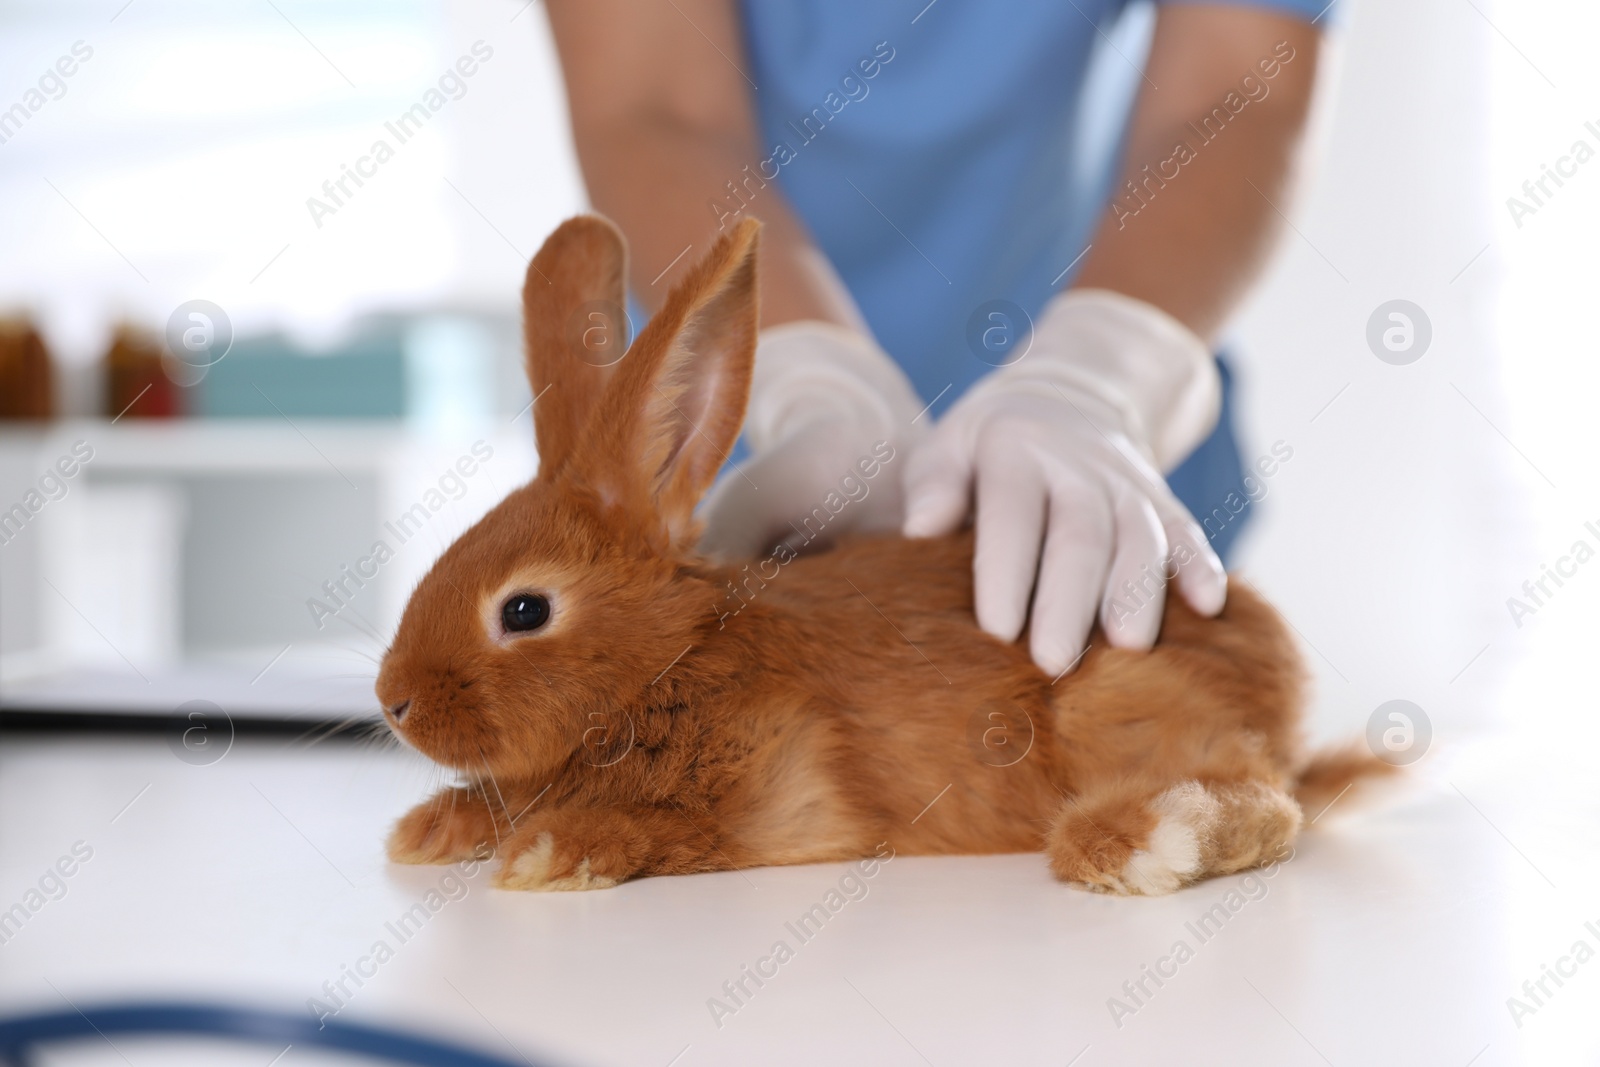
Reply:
x=1201 y=217
x=672 y=218
x=663 y=121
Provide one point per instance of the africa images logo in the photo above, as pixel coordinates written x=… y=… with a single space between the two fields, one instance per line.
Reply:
x=451 y=85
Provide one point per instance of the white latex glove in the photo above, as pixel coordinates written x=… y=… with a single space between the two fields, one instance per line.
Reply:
x=822 y=396
x=1061 y=454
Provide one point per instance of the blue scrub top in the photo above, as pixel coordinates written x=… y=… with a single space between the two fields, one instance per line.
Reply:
x=952 y=160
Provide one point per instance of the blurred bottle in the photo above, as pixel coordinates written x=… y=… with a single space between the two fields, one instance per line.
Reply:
x=136 y=385
x=27 y=385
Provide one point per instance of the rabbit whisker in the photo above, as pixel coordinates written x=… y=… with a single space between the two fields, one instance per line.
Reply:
x=490 y=770
x=530 y=804
x=493 y=823
x=323 y=731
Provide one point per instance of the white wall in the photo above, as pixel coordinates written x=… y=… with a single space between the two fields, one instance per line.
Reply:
x=192 y=139
x=1418 y=502
x=178 y=162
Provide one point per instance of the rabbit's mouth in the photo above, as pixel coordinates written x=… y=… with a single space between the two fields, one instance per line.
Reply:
x=447 y=734
x=440 y=713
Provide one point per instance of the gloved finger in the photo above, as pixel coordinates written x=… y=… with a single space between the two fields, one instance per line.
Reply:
x=938 y=488
x=740 y=520
x=1010 y=497
x=1201 y=579
x=1135 y=596
x=806 y=491
x=1072 y=573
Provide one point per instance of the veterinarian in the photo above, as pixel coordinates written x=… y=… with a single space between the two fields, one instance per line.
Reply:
x=1002 y=236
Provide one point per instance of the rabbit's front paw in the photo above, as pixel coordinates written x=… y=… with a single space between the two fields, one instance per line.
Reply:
x=547 y=861
x=455 y=825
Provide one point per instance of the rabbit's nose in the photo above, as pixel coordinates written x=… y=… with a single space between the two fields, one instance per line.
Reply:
x=398 y=712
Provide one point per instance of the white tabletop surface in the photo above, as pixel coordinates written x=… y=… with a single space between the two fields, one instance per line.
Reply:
x=1394 y=936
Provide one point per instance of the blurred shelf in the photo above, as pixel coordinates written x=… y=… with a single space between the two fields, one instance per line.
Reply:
x=181 y=537
x=210 y=445
x=304 y=689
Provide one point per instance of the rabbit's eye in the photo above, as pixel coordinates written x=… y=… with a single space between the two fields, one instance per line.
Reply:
x=524 y=612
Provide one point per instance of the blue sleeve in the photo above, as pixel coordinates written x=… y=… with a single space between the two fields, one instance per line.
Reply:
x=1320 y=12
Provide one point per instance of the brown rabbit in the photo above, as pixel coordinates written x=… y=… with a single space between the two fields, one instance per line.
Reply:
x=572 y=655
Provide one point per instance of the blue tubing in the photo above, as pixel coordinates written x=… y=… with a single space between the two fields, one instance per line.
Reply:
x=19 y=1033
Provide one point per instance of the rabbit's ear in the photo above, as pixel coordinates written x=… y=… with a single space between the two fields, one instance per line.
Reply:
x=576 y=328
x=672 y=414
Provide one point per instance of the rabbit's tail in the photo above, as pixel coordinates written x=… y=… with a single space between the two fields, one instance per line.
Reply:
x=1331 y=773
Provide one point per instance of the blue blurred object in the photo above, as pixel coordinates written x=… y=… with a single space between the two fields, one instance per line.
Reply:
x=1214 y=474
x=271 y=377
x=945 y=156
x=20 y=1034
x=449 y=374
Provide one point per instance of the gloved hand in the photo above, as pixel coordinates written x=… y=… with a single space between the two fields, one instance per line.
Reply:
x=821 y=397
x=1061 y=454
